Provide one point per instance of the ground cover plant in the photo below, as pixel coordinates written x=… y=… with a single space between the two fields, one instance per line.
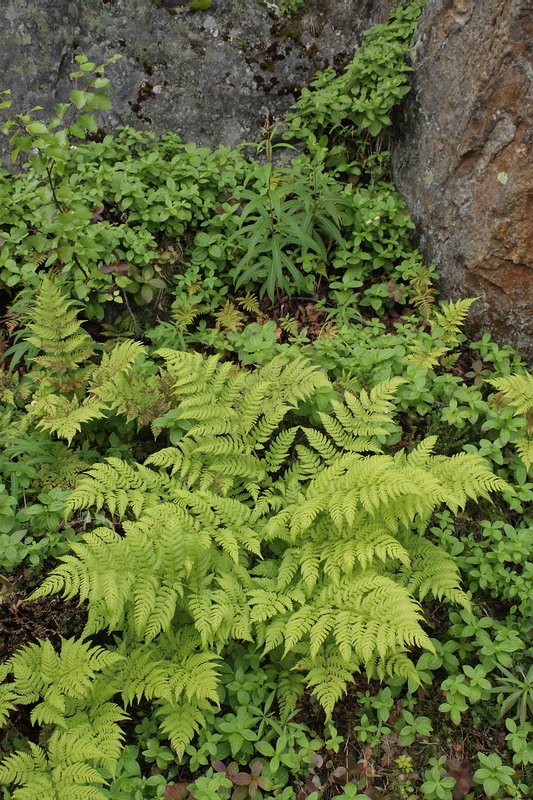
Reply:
x=265 y=511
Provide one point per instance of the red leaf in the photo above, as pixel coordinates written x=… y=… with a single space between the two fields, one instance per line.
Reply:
x=340 y=775
x=241 y=779
x=257 y=766
x=107 y=268
x=97 y=214
x=218 y=766
x=317 y=760
x=309 y=788
x=176 y=792
x=460 y=770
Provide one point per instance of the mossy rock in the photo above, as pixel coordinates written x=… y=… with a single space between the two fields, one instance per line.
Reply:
x=200 y=5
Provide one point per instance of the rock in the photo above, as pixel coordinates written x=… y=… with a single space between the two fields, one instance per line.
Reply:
x=210 y=76
x=463 y=158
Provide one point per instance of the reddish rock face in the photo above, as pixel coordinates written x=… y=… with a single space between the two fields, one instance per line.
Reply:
x=463 y=159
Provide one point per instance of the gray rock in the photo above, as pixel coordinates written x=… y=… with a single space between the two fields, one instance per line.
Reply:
x=463 y=158
x=210 y=77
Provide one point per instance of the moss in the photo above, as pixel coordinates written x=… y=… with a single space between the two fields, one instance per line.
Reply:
x=200 y=5
x=291 y=33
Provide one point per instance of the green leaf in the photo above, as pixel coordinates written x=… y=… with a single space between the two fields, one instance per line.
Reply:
x=79 y=97
x=36 y=127
x=147 y=293
x=99 y=100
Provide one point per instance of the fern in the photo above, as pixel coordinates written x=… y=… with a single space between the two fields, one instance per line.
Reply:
x=71 y=691
x=450 y=317
x=307 y=541
x=64 y=416
x=229 y=318
x=185 y=313
x=70 y=396
x=60 y=772
x=55 y=330
x=7 y=696
x=517 y=391
x=250 y=303
x=423 y=294
x=347 y=527
x=289 y=324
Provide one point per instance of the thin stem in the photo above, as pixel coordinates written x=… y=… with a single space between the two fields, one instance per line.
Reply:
x=49 y=169
x=135 y=323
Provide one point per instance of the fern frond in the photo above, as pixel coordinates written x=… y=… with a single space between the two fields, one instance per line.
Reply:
x=423 y=293
x=180 y=722
x=516 y=390
x=277 y=453
x=451 y=317
x=424 y=359
x=250 y=303
x=65 y=416
x=432 y=571
x=106 y=377
x=328 y=677
x=56 y=331
x=524 y=449
x=229 y=318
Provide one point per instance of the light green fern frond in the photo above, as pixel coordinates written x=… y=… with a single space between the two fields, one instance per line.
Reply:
x=37 y=667
x=431 y=571
x=450 y=317
x=294 y=381
x=229 y=317
x=425 y=359
x=56 y=331
x=121 y=357
x=64 y=416
x=58 y=774
x=328 y=677
x=517 y=391
x=423 y=294
x=524 y=448
x=180 y=722
x=7 y=695
x=250 y=303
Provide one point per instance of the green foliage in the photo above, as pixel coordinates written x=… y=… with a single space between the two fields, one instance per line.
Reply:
x=497 y=560
x=50 y=147
x=412 y=727
x=133 y=216
x=493 y=775
x=246 y=542
x=516 y=391
x=200 y=5
x=359 y=100
x=286 y=222
x=519 y=740
x=519 y=691
x=285 y=8
x=122 y=202
x=437 y=786
x=68 y=398
x=189 y=550
x=256 y=344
